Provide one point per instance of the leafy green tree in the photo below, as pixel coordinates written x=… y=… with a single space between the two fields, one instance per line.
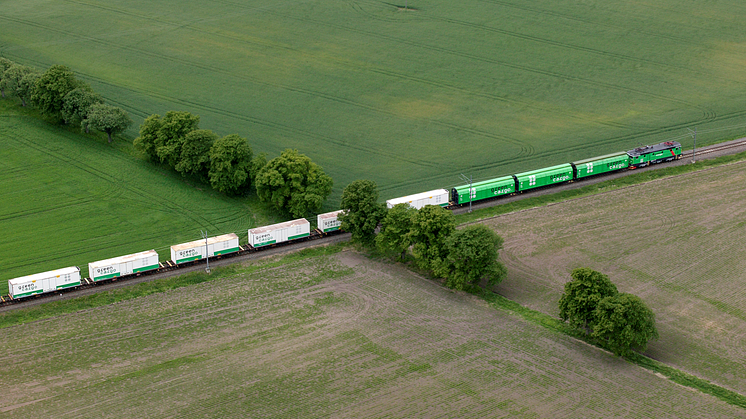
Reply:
x=27 y=86
x=172 y=132
x=578 y=303
x=76 y=103
x=195 y=152
x=471 y=257
x=11 y=78
x=294 y=184
x=395 y=234
x=257 y=163
x=623 y=322
x=109 y=119
x=51 y=88
x=147 y=141
x=362 y=212
x=230 y=164
x=5 y=64
x=431 y=226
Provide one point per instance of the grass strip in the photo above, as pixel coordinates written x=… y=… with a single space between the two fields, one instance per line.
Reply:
x=605 y=186
x=679 y=377
x=56 y=308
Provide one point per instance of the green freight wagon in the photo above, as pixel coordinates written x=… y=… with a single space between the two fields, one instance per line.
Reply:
x=482 y=190
x=651 y=154
x=599 y=165
x=544 y=177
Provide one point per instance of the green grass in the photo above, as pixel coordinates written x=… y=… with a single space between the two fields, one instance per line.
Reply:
x=69 y=199
x=408 y=99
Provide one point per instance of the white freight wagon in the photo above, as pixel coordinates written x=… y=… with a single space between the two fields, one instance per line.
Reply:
x=278 y=233
x=328 y=222
x=44 y=282
x=218 y=245
x=123 y=265
x=437 y=197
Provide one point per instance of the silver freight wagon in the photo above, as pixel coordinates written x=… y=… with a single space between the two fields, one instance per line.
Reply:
x=437 y=197
x=44 y=282
x=278 y=233
x=218 y=245
x=123 y=265
x=328 y=222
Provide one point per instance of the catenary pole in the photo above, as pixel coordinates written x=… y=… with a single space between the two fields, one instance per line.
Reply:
x=693 y=134
x=207 y=252
x=468 y=179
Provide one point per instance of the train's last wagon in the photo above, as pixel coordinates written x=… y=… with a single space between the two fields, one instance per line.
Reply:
x=44 y=282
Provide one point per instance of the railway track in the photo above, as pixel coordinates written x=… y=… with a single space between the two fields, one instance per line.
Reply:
x=169 y=268
x=246 y=252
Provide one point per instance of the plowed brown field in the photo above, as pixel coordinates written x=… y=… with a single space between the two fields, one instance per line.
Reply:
x=332 y=336
x=678 y=243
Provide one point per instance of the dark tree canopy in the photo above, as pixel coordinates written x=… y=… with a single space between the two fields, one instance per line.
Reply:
x=173 y=129
x=146 y=142
x=582 y=295
x=431 y=226
x=26 y=87
x=294 y=184
x=11 y=79
x=51 y=88
x=76 y=103
x=230 y=164
x=109 y=119
x=396 y=227
x=471 y=257
x=623 y=322
x=195 y=152
x=5 y=64
x=362 y=212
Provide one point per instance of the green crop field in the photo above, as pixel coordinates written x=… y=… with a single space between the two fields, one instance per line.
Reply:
x=69 y=200
x=675 y=242
x=336 y=335
x=409 y=98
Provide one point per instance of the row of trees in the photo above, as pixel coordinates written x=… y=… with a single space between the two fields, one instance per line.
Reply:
x=291 y=182
x=464 y=257
x=61 y=97
x=618 y=321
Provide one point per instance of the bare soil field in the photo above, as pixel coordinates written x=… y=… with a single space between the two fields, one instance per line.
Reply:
x=678 y=243
x=329 y=336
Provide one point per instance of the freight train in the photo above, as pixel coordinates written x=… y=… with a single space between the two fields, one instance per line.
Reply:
x=268 y=236
x=521 y=182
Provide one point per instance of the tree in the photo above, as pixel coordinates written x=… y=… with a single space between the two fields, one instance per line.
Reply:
x=5 y=64
x=230 y=164
x=431 y=226
x=27 y=86
x=109 y=119
x=471 y=257
x=362 y=212
x=294 y=184
x=395 y=234
x=578 y=303
x=51 y=89
x=11 y=78
x=148 y=138
x=76 y=103
x=195 y=152
x=171 y=134
x=623 y=322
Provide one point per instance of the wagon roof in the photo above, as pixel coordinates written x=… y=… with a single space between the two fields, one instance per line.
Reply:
x=559 y=167
x=414 y=197
x=653 y=148
x=42 y=275
x=273 y=227
x=332 y=214
x=201 y=242
x=608 y=156
x=126 y=258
